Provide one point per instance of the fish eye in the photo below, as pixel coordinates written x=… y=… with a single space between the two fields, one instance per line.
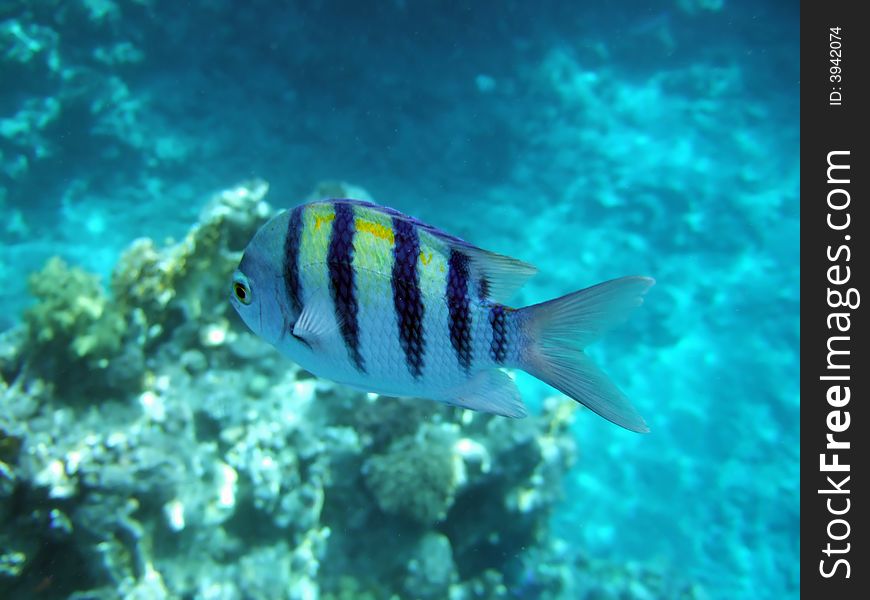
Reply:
x=241 y=292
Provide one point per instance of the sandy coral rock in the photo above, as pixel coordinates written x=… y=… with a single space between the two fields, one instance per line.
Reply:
x=418 y=475
x=139 y=279
x=431 y=570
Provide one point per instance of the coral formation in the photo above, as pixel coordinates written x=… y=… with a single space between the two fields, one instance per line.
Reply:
x=418 y=475
x=72 y=313
x=73 y=328
x=186 y=281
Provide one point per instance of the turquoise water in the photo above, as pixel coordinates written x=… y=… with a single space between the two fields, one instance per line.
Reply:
x=592 y=141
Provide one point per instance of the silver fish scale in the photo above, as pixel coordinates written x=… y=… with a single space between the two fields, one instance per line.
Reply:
x=387 y=369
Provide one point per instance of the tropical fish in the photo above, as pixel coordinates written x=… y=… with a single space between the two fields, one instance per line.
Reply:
x=369 y=297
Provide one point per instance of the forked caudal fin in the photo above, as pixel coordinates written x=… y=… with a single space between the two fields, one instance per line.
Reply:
x=558 y=330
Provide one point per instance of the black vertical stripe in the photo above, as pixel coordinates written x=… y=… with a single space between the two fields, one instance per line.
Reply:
x=341 y=280
x=483 y=288
x=407 y=297
x=292 y=282
x=459 y=307
x=499 y=345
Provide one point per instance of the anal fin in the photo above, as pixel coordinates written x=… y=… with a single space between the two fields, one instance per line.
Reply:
x=491 y=391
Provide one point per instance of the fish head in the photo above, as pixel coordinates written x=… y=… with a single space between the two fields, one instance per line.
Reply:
x=257 y=287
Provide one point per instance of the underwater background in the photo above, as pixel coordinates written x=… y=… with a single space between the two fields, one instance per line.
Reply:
x=151 y=447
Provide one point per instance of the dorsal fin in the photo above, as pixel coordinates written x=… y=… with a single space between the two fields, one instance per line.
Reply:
x=503 y=275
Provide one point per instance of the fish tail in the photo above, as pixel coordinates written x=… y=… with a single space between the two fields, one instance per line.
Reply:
x=556 y=333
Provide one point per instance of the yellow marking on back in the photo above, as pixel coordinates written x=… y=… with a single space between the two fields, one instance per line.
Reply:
x=373 y=254
x=321 y=219
x=376 y=229
x=432 y=264
x=314 y=242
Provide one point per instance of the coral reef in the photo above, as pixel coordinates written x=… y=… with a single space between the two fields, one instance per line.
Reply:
x=225 y=471
x=590 y=139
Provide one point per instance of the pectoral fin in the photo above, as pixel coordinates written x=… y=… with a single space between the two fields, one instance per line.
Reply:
x=315 y=324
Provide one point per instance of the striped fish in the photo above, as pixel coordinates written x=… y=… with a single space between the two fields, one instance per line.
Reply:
x=366 y=296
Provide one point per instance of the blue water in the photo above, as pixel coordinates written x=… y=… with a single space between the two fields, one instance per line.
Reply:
x=593 y=140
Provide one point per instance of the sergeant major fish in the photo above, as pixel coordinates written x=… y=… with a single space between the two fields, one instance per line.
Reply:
x=366 y=296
